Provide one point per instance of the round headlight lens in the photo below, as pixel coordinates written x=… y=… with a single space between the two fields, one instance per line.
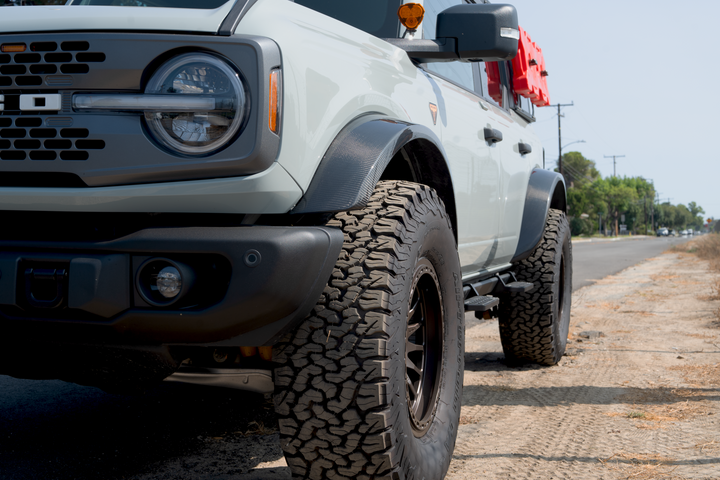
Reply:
x=194 y=132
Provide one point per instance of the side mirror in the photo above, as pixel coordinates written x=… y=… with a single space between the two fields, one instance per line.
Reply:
x=484 y=32
x=470 y=33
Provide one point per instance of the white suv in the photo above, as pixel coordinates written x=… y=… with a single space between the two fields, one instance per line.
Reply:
x=300 y=197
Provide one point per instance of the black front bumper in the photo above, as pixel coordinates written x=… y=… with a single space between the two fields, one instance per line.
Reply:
x=234 y=305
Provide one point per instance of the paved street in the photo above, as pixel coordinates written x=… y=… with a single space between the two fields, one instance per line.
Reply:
x=599 y=258
x=54 y=430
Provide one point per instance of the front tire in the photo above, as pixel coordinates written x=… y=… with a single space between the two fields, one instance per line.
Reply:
x=534 y=325
x=370 y=384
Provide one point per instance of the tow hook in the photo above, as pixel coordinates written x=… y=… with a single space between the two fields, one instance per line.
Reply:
x=44 y=287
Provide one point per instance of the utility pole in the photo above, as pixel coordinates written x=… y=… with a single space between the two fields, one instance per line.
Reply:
x=558 y=105
x=614 y=157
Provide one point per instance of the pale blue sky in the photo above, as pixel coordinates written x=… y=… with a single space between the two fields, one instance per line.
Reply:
x=644 y=78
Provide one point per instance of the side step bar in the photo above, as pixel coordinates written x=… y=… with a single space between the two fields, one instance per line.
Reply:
x=482 y=296
x=259 y=381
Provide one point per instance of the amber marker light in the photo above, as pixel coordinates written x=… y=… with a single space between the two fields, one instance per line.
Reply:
x=13 y=47
x=411 y=15
x=274 y=111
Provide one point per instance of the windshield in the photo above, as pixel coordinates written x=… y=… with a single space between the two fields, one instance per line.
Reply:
x=203 y=4
x=376 y=17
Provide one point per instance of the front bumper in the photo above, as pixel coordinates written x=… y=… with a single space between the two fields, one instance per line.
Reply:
x=235 y=304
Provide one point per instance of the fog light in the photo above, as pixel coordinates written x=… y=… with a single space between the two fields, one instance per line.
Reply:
x=162 y=282
x=169 y=282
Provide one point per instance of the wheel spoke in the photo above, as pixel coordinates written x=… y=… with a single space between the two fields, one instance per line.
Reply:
x=412 y=310
x=412 y=329
x=411 y=347
x=409 y=364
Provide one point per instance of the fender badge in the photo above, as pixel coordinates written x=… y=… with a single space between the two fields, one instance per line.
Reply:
x=433 y=111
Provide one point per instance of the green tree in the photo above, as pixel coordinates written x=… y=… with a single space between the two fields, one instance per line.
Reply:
x=578 y=170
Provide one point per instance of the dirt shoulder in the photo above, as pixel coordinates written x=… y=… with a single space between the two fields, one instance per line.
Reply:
x=637 y=395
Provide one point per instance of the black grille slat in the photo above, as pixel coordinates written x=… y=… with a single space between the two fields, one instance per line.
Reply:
x=90 y=57
x=27 y=58
x=43 y=69
x=74 y=133
x=43 y=46
x=27 y=137
x=13 y=69
x=58 y=57
x=89 y=144
x=73 y=155
x=28 y=81
x=74 y=68
x=80 y=46
x=28 y=122
x=43 y=133
x=43 y=155
x=45 y=59
x=27 y=144
x=58 y=144
x=12 y=155
x=12 y=133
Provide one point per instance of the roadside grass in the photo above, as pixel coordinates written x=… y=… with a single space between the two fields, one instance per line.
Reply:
x=707 y=248
x=641 y=466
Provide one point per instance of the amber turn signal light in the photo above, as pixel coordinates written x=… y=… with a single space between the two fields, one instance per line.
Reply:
x=411 y=15
x=274 y=101
x=11 y=48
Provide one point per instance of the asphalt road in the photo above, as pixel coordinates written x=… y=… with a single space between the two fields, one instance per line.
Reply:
x=597 y=259
x=54 y=430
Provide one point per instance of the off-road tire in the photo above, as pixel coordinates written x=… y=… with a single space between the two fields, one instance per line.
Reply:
x=534 y=325
x=340 y=389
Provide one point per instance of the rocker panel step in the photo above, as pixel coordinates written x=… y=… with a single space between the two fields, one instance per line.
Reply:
x=481 y=303
x=519 y=287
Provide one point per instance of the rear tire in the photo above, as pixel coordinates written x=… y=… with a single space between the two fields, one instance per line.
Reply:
x=370 y=384
x=534 y=325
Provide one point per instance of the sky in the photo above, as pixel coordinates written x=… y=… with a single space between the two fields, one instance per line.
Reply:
x=642 y=76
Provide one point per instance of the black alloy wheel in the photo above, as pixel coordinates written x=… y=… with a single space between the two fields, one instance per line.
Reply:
x=423 y=346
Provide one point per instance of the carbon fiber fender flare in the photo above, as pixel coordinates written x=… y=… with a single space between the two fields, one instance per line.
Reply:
x=546 y=190
x=355 y=161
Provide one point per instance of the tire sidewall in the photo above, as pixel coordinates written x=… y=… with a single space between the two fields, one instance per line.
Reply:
x=431 y=453
x=562 y=290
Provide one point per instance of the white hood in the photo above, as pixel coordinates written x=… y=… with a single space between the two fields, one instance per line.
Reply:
x=76 y=18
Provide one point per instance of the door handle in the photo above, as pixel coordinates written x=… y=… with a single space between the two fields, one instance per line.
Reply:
x=524 y=148
x=493 y=135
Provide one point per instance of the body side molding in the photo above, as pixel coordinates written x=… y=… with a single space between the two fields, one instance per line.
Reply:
x=355 y=161
x=546 y=190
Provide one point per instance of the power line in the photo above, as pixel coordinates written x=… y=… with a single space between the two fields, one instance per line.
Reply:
x=614 y=157
x=558 y=105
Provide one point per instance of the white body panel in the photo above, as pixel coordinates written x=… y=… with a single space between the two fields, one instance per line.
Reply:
x=77 y=18
x=332 y=73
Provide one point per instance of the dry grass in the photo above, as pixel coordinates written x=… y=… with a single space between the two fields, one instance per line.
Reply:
x=709 y=448
x=641 y=466
x=703 y=376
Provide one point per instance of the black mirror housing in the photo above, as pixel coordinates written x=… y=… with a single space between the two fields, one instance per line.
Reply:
x=483 y=32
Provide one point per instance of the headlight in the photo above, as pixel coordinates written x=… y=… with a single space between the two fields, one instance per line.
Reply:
x=198 y=132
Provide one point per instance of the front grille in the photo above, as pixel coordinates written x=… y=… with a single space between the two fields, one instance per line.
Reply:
x=31 y=138
x=52 y=59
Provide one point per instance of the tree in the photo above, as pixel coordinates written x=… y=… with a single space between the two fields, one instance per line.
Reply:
x=578 y=170
x=616 y=195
